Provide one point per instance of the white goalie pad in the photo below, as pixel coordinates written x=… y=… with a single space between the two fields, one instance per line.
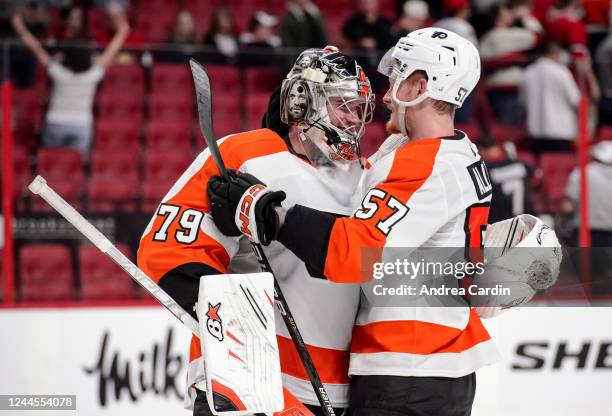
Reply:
x=238 y=336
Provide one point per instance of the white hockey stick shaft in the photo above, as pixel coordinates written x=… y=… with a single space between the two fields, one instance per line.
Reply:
x=39 y=186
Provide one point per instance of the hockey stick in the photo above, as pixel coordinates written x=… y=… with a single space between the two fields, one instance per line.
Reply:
x=39 y=187
x=204 y=100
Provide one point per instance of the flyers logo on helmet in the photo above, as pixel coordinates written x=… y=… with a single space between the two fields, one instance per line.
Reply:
x=341 y=65
x=214 y=325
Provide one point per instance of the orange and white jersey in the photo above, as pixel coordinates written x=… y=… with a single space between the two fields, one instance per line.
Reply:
x=426 y=193
x=181 y=243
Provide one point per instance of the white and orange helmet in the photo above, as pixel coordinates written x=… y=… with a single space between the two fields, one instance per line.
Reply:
x=451 y=62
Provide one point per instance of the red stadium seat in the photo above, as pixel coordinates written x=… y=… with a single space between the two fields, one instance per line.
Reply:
x=21 y=176
x=528 y=158
x=387 y=9
x=225 y=79
x=162 y=169
x=172 y=79
x=505 y=133
x=106 y=195
x=122 y=78
x=158 y=6
x=118 y=165
x=101 y=278
x=156 y=25
x=227 y=117
x=27 y=105
x=472 y=130
x=222 y=127
x=46 y=272
x=96 y=23
x=112 y=135
x=21 y=171
x=124 y=107
x=556 y=168
x=27 y=116
x=604 y=133
x=335 y=20
x=152 y=192
x=171 y=108
x=257 y=105
x=166 y=135
x=262 y=80
x=63 y=170
x=165 y=166
x=202 y=13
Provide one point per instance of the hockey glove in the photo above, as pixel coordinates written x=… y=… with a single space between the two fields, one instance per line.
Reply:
x=252 y=213
x=224 y=197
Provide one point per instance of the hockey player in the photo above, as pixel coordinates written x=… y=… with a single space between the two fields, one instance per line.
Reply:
x=431 y=190
x=326 y=100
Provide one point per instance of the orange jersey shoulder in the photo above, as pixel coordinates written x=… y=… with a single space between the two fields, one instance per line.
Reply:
x=172 y=238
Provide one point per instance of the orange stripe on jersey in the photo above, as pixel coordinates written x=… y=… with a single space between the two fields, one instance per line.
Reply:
x=331 y=364
x=156 y=257
x=412 y=166
x=416 y=337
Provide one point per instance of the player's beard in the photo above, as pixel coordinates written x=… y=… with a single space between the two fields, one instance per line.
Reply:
x=391 y=125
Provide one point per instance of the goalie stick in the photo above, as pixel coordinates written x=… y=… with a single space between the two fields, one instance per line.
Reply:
x=204 y=100
x=39 y=187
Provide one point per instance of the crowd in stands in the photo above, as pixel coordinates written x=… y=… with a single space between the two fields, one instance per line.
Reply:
x=104 y=106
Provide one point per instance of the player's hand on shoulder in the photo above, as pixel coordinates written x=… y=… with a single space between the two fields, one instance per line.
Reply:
x=244 y=205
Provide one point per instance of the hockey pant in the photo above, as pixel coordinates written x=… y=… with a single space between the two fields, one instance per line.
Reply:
x=412 y=396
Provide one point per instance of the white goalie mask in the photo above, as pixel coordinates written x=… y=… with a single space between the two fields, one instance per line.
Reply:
x=451 y=62
x=329 y=98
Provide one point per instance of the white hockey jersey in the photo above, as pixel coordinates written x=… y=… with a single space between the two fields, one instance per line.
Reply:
x=447 y=195
x=181 y=243
x=425 y=193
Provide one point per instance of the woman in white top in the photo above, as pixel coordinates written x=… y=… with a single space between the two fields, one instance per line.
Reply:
x=69 y=120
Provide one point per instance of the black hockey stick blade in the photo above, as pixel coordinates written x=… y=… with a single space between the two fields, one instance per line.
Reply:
x=204 y=100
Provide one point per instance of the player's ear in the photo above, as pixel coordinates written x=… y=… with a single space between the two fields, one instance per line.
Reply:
x=422 y=83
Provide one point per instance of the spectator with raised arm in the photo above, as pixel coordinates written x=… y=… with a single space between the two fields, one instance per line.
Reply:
x=505 y=52
x=69 y=120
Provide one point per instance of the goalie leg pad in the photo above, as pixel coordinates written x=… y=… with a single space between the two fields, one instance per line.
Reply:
x=238 y=336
